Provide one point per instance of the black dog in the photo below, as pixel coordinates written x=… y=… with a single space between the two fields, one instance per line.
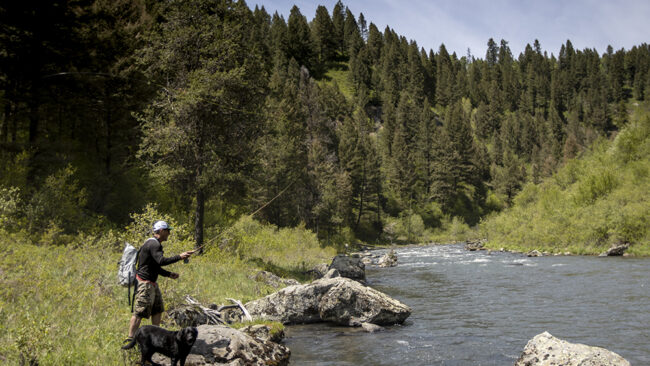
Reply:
x=175 y=345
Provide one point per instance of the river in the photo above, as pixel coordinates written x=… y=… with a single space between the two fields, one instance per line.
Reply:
x=476 y=308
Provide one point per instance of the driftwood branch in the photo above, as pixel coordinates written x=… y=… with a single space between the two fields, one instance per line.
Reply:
x=241 y=306
x=214 y=316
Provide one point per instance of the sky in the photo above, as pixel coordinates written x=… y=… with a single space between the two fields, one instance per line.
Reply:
x=469 y=24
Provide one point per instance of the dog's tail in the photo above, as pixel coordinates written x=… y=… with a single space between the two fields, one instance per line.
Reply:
x=129 y=345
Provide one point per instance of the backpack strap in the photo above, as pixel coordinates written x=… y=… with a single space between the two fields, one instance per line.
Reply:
x=135 y=281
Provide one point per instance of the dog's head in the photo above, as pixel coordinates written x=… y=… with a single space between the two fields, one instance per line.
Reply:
x=187 y=336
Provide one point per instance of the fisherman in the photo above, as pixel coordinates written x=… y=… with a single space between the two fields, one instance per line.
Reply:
x=148 y=298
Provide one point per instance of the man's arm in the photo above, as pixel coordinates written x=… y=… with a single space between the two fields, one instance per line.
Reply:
x=157 y=254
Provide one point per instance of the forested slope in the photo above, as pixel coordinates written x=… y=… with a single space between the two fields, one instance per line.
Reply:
x=213 y=109
x=592 y=202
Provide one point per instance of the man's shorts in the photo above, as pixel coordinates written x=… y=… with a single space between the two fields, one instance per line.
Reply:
x=148 y=300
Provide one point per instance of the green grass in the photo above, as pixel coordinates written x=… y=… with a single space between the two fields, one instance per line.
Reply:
x=61 y=305
x=592 y=202
x=340 y=75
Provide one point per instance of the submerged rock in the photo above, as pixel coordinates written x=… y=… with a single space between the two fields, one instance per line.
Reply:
x=221 y=345
x=371 y=328
x=339 y=300
x=546 y=350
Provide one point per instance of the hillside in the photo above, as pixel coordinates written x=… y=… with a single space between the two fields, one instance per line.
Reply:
x=593 y=201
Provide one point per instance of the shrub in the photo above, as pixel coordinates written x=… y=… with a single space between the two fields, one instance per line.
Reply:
x=10 y=208
x=58 y=202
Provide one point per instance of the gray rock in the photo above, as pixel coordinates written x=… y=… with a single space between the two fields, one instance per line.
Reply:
x=388 y=260
x=188 y=316
x=332 y=273
x=534 y=253
x=546 y=350
x=366 y=260
x=319 y=270
x=339 y=300
x=263 y=332
x=221 y=345
x=616 y=250
x=349 y=267
x=371 y=328
x=273 y=280
x=473 y=245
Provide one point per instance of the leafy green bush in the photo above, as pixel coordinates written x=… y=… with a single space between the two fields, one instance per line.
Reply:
x=58 y=203
x=10 y=208
x=287 y=250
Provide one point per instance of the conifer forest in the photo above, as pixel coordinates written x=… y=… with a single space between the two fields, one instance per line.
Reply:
x=212 y=110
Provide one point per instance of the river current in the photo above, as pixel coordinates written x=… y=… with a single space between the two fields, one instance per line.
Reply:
x=479 y=308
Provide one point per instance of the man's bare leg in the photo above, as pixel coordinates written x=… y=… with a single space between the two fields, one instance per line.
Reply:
x=134 y=324
x=155 y=319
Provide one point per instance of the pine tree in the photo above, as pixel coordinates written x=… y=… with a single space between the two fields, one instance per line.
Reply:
x=299 y=42
x=338 y=21
x=351 y=34
x=207 y=111
x=322 y=31
x=375 y=43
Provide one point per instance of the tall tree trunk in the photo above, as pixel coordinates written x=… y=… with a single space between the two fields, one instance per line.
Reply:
x=199 y=211
x=4 y=132
x=198 y=221
x=361 y=196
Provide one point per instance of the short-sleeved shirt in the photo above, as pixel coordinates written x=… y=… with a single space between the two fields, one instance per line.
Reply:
x=151 y=260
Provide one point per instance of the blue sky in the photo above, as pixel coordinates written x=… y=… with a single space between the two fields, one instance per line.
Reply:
x=463 y=24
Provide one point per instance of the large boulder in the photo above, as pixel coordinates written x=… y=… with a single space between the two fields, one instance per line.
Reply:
x=351 y=303
x=350 y=267
x=221 y=345
x=339 y=300
x=546 y=350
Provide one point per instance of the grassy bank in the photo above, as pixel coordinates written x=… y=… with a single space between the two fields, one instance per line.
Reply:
x=61 y=305
x=594 y=201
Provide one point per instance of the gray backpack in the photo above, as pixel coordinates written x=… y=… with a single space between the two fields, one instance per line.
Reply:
x=127 y=269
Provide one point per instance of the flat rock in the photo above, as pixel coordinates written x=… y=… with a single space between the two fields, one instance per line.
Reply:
x=546 y=350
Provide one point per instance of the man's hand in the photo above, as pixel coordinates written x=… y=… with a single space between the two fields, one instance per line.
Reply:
x=187 y=254
x=173 y=275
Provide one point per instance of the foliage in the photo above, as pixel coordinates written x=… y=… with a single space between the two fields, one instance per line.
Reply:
x=588 y=205
x=270 y=247
x=70 y=293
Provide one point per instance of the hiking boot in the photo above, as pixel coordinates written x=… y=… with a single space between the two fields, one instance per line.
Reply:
x=127 y=341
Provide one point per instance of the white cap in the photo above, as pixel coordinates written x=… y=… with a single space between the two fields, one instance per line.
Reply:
x=160 y=225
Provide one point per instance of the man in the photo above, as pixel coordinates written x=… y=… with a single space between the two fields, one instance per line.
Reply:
x=148 y=298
